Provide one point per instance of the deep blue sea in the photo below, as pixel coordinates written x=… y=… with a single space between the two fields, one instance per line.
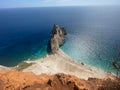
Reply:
x=93 y=33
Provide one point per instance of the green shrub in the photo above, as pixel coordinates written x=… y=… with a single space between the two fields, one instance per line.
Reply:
x=21 y=66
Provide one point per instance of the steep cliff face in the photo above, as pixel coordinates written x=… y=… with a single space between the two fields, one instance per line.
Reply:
x=57 y=38
x=14 y=80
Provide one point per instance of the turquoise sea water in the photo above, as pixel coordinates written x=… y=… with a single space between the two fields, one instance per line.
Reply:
x=93 y=33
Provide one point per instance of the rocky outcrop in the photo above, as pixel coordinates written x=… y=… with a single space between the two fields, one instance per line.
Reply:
x=14 y=80
x=57 y=38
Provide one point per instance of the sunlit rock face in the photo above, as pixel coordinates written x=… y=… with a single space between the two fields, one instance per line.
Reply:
x=57 y=38
x=15 y=80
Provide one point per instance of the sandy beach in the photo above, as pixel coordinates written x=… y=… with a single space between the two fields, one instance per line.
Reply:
x=4 y=68
x=62 y=63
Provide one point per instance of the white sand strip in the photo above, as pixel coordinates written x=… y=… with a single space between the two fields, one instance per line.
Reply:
x=61 y=63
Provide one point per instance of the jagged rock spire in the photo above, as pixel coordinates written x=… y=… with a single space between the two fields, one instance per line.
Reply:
x=57 y=38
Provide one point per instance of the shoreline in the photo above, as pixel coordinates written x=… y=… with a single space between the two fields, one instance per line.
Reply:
x=62 y=63
x=58 y=72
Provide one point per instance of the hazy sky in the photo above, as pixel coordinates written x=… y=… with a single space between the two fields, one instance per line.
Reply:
x=46 y=3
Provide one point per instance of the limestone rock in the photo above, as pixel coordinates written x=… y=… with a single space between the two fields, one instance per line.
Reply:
x=57 y=38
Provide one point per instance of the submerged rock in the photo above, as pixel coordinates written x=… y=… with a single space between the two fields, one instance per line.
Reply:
x=57 y=38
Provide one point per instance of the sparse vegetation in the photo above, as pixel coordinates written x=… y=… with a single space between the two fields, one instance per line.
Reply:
x=110 y=84
x=116 y=64
x=23 y=65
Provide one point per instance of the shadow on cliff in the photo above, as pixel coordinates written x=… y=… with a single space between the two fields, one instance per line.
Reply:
x=49 y=48
x=57 y=39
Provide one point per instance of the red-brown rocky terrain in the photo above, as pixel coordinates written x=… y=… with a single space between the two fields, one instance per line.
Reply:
x=16 y=80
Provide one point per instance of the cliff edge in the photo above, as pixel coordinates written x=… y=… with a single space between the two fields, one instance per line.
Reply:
x=14 y=80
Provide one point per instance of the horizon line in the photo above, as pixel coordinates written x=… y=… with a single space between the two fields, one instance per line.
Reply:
x=54 y=6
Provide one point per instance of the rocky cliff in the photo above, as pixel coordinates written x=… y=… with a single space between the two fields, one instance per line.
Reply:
x=14 y=80
x=57 y=38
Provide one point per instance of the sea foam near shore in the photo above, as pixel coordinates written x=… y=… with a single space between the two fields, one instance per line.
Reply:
x=61 y=63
